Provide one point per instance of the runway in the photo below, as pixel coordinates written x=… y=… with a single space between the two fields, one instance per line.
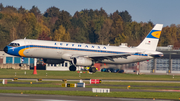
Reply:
x=33 y=97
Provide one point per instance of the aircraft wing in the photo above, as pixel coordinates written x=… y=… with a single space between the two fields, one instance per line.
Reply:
x=98 y=57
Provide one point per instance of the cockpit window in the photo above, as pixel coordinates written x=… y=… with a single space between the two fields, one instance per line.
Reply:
x=14 y=44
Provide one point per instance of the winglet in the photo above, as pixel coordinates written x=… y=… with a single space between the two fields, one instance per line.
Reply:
x=152 y=39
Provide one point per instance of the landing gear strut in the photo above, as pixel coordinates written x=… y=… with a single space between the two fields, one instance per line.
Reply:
x=72 y=68
x=92 y=69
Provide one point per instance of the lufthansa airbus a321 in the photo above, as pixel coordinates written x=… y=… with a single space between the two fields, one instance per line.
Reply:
x=81 y=54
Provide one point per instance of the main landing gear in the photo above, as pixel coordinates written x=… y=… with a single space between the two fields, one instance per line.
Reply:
x=72 y=68
x=91 y=69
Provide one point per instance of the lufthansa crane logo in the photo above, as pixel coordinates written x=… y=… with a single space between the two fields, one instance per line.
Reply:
x=156 y=34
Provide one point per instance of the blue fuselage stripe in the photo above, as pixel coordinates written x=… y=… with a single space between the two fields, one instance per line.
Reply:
x=17 y=49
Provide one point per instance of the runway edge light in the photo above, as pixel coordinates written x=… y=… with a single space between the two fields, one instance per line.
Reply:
x=39 y=79
x=15 y=79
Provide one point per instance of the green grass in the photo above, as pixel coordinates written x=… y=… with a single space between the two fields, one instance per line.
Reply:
x=10 y=73
x=115 y=85
x=145 y=95
x=30 y=85
x=138 y=85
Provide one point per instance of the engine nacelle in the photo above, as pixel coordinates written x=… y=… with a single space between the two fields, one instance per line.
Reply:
x=82 y=61
x=53 y=61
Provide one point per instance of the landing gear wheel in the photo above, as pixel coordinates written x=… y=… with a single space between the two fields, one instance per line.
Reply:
x=92 y=69
x=21 y=64
x=72 y=68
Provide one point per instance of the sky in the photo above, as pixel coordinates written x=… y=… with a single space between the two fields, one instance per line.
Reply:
x=158 y=11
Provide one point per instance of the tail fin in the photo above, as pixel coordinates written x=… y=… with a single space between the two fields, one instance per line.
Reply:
x=152 y=39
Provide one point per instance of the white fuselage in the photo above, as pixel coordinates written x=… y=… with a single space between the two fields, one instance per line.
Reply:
x=67 y=50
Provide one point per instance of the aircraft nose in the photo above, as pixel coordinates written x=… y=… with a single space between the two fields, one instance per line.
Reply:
x=5 y=49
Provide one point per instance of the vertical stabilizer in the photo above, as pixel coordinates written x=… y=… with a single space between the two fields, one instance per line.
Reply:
x=152 y=39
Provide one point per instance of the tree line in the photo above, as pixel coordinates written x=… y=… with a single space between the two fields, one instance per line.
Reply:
x=86 y=26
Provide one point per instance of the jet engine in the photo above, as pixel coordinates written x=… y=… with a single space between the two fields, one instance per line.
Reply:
x=82 y=61
x=53 y=61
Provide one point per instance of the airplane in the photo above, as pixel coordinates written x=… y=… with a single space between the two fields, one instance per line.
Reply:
x=82 y=54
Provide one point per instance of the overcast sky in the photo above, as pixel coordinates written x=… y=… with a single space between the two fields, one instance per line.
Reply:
x=166 y=12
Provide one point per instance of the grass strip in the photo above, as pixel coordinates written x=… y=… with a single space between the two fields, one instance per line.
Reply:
x=10 y=73
x=144 y=95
